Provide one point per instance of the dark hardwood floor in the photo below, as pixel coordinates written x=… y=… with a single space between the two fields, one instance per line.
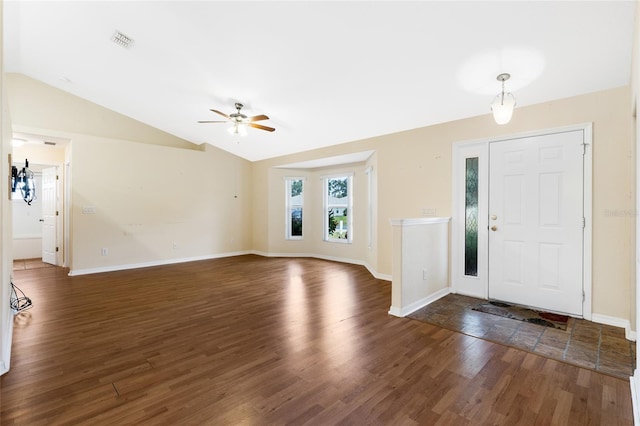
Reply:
x=252 y=340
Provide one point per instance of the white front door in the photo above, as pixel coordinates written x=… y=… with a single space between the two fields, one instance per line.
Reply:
x=536 y=223
x=49 y=215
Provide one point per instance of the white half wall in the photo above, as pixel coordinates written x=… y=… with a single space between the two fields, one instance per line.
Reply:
x=420 y=263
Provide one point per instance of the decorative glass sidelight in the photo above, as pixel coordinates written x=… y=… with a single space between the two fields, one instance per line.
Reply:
x=471 y=218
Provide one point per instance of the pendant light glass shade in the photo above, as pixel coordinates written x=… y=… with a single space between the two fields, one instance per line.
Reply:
x=502 y=107
x=238 y=129
x=504 y=103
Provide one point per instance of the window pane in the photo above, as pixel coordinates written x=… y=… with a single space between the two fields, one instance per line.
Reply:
x=337 y=189
x=296 y=187
x=471 y=218
x=294 y=205
x=296 y=200
x=338 y=223
x=337 y=202
x=296 y=222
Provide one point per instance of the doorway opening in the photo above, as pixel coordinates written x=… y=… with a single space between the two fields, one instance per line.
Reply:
x=40 y=237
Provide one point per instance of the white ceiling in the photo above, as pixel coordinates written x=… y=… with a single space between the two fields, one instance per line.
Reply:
x=324 y=72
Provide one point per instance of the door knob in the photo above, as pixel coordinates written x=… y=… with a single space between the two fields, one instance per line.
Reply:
x=494 y=228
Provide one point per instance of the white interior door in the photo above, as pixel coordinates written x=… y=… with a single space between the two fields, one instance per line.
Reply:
x=536 y=221
x=49 y=215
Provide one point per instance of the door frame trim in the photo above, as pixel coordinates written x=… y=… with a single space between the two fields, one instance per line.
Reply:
x=480 y=147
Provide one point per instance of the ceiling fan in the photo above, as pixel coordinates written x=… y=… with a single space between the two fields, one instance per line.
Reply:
x=240 y=121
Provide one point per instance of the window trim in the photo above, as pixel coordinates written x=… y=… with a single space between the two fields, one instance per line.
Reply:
x=369 y=173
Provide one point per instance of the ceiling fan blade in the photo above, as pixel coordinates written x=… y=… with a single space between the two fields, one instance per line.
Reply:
x=258 y=118
x=221 y=113
x=261 y=127
x=209 y=121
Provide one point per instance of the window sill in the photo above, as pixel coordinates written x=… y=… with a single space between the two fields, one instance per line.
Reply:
x=337 y=241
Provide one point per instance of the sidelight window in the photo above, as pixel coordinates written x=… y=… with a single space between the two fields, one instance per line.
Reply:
x=471 y=218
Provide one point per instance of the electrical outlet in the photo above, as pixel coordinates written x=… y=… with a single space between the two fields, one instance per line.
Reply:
x=175 y=246
x=105 y=251
x=424 y=274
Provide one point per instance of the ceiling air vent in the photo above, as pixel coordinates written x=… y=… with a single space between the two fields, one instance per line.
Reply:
x=49 y=143
x=121 y=39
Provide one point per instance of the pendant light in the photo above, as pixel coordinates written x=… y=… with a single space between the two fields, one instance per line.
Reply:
x=504 y=103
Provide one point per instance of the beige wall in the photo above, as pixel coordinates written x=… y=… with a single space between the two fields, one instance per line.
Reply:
x=414 y=173
x=155 y=203
x=154 y=200
x=633 y=253
x=44 y=107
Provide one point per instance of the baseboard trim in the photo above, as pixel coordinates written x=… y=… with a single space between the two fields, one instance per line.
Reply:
x=371 y=270
x=469 y=294
x=403 y=312
x=76 y=272
x=615 y=322
x=87 y=271
x=377 y=275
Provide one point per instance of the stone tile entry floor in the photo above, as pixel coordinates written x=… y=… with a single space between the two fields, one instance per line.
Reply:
x=584 y=343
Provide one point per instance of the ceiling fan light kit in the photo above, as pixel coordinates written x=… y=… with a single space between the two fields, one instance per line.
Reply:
x=240 y=122
x=238 y=129
x=504 y=103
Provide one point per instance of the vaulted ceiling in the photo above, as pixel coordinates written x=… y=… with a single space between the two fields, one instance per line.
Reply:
x=324 y=72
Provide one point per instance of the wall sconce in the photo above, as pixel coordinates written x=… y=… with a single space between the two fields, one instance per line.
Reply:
x=504 y=103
